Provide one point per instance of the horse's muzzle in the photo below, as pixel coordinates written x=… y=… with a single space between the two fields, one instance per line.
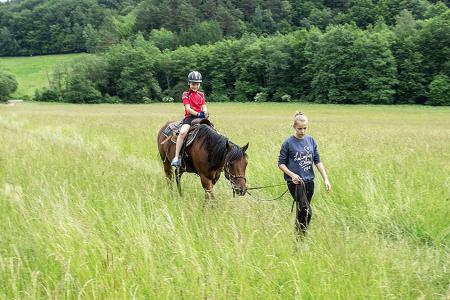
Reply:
x=240 y=191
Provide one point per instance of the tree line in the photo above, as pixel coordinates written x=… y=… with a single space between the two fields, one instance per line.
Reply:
x=406 y=62
x=31 y=27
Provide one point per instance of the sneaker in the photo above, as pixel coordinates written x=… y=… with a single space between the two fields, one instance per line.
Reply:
x=175 y=162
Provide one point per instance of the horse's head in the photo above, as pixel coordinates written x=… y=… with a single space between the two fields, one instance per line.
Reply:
x=235 y=165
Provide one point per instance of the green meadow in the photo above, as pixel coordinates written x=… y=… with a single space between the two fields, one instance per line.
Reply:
x=85 y=211
x=34 y=72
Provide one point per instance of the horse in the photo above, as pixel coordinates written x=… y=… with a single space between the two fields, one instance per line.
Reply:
x=208 y=155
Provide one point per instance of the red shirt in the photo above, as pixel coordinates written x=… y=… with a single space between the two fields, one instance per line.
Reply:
x=194 y=99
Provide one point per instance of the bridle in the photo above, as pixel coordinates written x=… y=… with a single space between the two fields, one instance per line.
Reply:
x=232 y=178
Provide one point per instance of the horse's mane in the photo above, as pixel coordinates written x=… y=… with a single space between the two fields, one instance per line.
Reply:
x=216 y=145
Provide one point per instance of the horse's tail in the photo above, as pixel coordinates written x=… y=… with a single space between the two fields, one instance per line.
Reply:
x=160 y=144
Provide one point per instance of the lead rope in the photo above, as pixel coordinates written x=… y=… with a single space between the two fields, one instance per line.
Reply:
x=297 y=186
x=274 y=199
x=264 y=187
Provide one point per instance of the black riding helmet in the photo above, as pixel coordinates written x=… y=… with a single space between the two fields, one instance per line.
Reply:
x=195 y=76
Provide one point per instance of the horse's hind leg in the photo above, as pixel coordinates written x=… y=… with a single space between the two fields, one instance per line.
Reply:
x=178 y=180
x=168 y=172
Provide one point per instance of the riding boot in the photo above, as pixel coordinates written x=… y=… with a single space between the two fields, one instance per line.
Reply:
x=176 y=161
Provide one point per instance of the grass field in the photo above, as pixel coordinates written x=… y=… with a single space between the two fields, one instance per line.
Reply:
x=86 y=213
x=33 y=72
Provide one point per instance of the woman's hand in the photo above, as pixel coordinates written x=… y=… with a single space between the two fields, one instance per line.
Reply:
x=296 y=179
x=327 y=185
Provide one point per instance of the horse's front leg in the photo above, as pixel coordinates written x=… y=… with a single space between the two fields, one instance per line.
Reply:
x=216 y=177
x=209 y=195
x=207 y=186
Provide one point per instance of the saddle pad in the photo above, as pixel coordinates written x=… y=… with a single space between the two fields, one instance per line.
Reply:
x=192 y=134
x=173 y=127
x=173 y=132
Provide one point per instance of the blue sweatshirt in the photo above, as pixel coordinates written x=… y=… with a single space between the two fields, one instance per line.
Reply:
x=298 y=155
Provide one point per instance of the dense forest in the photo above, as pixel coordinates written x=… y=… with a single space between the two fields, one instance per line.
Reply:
x=340 y=51
x=31 y=27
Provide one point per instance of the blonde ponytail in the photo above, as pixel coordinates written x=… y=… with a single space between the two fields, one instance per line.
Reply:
x=300 y=117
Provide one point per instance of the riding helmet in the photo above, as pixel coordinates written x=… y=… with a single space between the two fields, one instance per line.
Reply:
x=195 y=76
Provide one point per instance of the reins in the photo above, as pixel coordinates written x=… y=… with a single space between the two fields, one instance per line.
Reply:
x=232 y=177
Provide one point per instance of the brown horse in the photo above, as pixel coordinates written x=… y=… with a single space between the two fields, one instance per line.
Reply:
x=209 y=154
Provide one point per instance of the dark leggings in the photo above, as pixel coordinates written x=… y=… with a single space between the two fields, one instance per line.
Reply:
x=303 y=208
x=188 y=120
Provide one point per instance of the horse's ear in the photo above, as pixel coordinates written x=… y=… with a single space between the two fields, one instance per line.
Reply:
x=245 y=147
x=229 y=146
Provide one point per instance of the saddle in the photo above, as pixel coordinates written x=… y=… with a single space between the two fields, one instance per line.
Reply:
x=173 y=129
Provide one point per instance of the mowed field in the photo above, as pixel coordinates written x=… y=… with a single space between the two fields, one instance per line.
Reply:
x=34 y=72
x=85 y=211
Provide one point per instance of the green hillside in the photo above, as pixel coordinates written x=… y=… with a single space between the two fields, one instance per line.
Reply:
x=33 y=72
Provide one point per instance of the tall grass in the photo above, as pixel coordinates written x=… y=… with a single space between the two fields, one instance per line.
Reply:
x=85 y=211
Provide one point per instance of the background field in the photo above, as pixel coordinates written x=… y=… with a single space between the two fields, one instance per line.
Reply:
x=86 y=213
x=34 y=71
